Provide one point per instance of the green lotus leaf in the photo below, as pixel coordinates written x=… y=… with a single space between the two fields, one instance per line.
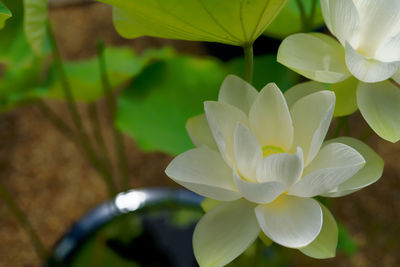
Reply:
x=234 y=22
x=35 y=24
x=15 y=51
x=154 y=111
x=155 y=108
x=22 y=85
x=5 y=14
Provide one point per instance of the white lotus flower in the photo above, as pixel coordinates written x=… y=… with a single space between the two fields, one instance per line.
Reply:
x=368 y=48
x=264 y=163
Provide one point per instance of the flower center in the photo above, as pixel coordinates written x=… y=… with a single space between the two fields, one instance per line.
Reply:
x=269 y=150
x=366 y=53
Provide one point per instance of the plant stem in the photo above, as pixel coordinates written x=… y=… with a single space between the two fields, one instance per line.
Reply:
x=67 y=89
x=347 y=129
x=97 y=133
x=248 y=63
x=96 y=127
x=56 y=121
x=84 y=140
x=340 y=123
x=366 y=134
x=394 y=83
x=312 y=15
x=258 y=253
x=65 y=130
x=23 y=221
x=112 y=106
x=303 y=15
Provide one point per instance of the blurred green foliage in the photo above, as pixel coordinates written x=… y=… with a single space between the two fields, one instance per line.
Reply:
x=21 y=79
x=14 y=48
x=85 y=78
x=155 y=108
x=346 y=243
x=167 y=88
x=289 y=20
x=21 y=85
x=28 y=76
x=5 y=14
x=36 y=25
x=266 y=70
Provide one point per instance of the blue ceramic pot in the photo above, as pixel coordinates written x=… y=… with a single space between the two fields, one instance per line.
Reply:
x=146 y=227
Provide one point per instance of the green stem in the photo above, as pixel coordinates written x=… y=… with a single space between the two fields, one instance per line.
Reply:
x=394 y=83
x=258 y=254
x=312 y=15
x=63 y=128
x=347 y=129
x=97 y=133
x=248 y=63
x=23 y=221
x=67 y=89
x=112 y=106
x=340 y=123
x=71 y=103
x=303 y=15
x=366 y=134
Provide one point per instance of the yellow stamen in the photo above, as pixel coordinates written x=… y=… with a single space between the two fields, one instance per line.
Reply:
x=269 y=150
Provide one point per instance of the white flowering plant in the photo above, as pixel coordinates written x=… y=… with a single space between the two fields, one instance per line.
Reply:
x=362 y=64
x=262 y=159
x=265 y=161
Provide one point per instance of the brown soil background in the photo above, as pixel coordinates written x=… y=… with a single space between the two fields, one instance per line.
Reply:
x=54 y=184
